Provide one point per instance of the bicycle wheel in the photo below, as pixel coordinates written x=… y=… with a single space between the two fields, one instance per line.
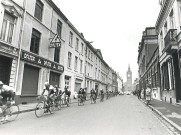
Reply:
x=78 y=101
x=59 y=104
x=40 y=109
x=52 y=108
x=12 y=112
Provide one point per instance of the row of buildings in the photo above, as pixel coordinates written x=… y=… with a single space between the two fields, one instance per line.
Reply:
x=38 y=44
x=159 y=54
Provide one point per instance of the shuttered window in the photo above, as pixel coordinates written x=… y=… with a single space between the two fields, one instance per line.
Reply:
x=7 y=28
x=38 y=10
x=35 y=41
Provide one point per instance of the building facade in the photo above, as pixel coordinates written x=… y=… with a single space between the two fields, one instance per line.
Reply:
x=168 y=30
x=120 y=83
x=148 y=62
x=11 y=21
x=38 y=44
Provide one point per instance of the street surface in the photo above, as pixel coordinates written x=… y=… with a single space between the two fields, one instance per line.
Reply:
x=121 y=115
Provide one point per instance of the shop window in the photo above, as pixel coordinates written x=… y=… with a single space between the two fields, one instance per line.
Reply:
x=7 y=27
x=35 y=41
x=38 y=10
x=54 y=78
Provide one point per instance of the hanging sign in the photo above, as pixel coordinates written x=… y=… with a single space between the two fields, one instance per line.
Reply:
x=55 y=42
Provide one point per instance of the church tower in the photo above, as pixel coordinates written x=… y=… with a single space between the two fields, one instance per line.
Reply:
x=129 y=79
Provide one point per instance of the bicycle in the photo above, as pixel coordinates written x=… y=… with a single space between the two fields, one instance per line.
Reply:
x=9 y=112
x=58 y=102
x=81 y=100
x=66 y=101
x=44 y=106
x=93 y=98
x=102 y=98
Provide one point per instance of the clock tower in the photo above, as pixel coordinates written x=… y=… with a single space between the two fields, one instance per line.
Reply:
x=129 y=79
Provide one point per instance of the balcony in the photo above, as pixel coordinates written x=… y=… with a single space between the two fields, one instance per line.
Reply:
x=171 y=41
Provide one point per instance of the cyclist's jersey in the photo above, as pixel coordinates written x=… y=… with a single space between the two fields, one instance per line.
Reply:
x=93 y=92
x=102 y=92
x=49 y=91
x=67 y=93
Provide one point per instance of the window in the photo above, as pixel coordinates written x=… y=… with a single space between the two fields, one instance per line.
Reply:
x=89 y=55
x=68 y=82
x=171 y=16
x=81 y=64
x=76 y=60
x=70 y=38
x=69 y=59
x=57 y=55
x=59 y=28
x=38 y=10
x=161 y=41
x=82 y=48
x=77 y=44
x=7 y=28
x=35 y=41
x=92 y=56
x=165 y=29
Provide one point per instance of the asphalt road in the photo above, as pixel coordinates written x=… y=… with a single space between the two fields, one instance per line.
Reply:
x=121 y=115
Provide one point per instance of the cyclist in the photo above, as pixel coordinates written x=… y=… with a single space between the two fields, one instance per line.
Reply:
x=58 y=91
x=102 y=94
x=67 y=94
x=84 y=92
x=50 y=91
x=93 y=94
x=80 y=94
x=7 y=93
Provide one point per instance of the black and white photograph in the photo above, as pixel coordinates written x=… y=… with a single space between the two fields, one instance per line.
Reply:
x=90 y=67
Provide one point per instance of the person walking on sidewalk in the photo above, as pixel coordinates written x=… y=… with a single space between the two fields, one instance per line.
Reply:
x=139 y=94
x=148 y=93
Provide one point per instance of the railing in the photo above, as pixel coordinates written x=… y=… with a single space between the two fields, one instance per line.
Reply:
x=170 y=37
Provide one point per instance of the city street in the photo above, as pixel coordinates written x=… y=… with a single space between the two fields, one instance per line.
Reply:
x=121 y=115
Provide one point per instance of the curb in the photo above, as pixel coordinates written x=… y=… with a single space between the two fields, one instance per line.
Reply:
x=164 y=117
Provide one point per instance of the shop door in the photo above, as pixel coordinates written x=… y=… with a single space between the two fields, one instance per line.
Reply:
x=54 y=78
x=5 y=69
x=77 y=87
x=30 y=80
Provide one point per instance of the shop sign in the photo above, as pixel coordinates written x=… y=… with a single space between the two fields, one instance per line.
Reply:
x=41 y=61
x=55 y=42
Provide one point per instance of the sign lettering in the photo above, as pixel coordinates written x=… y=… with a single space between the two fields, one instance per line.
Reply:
x=41 y=61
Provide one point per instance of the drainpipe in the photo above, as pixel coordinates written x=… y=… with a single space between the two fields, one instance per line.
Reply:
x=20 y=45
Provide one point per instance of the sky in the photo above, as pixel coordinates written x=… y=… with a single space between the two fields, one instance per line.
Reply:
x=114 y=26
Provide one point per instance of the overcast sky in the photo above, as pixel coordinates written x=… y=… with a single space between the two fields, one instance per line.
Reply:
x=115 y=26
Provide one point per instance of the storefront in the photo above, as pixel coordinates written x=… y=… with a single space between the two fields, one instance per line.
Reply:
x=54 y=78
x=78 y=83
x=35 y=71
x=8 y=64
x=5 y=69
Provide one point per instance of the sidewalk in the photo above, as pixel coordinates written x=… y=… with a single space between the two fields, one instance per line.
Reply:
x=170 y=112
